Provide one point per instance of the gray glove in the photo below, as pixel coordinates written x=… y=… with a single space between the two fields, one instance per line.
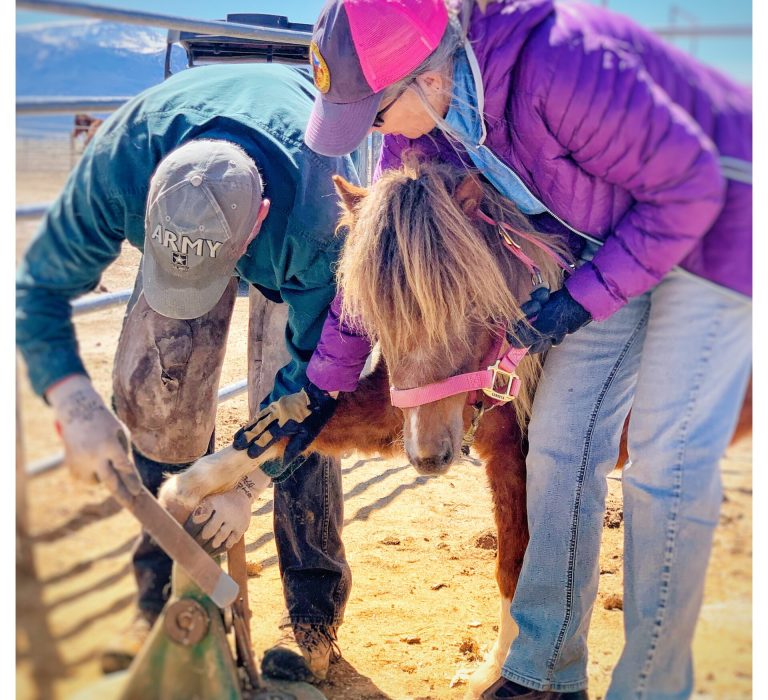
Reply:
x=95 y=441
x=221 y=519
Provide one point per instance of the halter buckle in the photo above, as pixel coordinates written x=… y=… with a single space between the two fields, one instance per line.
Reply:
x=502 y=384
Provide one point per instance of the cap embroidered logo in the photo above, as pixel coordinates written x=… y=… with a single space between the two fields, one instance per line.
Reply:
x=179 y=261
x=320 y=70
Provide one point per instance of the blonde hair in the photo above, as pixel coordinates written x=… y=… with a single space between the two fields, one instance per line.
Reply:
x=417 y=270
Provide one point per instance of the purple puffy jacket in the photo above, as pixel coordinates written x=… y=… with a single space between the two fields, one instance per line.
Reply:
x=620 y=135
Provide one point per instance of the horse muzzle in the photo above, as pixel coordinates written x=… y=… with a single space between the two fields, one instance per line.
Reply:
x=433 y=464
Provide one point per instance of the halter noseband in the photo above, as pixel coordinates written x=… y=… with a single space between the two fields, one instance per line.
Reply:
x=498 y=381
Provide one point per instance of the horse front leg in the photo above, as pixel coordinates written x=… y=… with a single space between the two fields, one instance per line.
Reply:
x=363 y=420
x=211 y=474
x=505 y=468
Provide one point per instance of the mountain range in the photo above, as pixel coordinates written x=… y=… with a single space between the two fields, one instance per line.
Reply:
x=86 y=58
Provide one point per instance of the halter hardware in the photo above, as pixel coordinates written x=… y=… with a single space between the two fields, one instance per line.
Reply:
x=504 y=386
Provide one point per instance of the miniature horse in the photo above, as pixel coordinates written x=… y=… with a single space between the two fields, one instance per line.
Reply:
x=432 y=283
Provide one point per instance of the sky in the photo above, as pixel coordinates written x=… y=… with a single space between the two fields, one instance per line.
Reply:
x=732 y=55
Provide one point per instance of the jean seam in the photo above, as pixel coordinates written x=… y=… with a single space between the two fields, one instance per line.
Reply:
x=532 y=683
x=326 y=529
x=670 y=544
x=340 y=588
x=326 y=503
x=573 y=543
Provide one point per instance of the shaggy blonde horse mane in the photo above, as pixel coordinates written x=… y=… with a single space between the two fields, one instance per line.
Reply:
x=419 y=269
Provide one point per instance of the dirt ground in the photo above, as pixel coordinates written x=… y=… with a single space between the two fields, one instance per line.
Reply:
x=404 y=534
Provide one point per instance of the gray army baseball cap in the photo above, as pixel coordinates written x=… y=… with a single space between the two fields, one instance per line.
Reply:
x=202 y=207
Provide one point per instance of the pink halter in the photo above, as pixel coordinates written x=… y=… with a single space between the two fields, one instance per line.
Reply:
x=499 y=381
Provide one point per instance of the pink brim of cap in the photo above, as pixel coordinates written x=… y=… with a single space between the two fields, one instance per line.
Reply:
x=338 y=129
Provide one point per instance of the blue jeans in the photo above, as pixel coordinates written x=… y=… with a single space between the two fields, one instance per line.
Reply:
x=680 y=357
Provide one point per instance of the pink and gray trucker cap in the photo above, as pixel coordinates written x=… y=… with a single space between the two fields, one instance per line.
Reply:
x=202 y=207
x=359 y=48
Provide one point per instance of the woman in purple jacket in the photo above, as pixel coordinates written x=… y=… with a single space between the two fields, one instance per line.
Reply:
x=593 y=124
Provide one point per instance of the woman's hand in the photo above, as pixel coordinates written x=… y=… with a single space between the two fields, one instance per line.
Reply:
x=550 y=318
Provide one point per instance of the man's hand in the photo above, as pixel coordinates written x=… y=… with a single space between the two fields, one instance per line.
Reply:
x=299 y=417
x=550 y=318
x=219 y=521
x=95 y=441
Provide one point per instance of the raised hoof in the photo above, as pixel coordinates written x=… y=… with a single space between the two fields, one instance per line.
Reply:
x=171 y=500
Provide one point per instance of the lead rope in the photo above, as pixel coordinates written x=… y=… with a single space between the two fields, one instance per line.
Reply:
x=469 y=437
x=505 y=230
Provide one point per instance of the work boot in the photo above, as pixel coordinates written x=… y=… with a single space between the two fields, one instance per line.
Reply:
x=302 y=653
x=503 y=689
x=121 y=651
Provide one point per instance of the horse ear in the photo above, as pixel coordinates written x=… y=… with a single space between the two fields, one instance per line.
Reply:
x=469 y=194
x=350 y=194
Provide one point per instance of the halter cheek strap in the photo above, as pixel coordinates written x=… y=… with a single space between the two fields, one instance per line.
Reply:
x=505 y=231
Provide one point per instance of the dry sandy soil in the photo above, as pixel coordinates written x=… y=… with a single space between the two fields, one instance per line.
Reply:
x=404 y=534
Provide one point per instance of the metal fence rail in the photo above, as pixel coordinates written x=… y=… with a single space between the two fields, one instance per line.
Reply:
x=153 y=19
x=67 y=105
x=717 y=31
x=32 y=211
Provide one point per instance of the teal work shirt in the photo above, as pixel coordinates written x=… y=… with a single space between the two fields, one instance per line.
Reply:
x=264 y=108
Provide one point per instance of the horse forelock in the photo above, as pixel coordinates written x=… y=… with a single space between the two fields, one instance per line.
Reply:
x=419 y=274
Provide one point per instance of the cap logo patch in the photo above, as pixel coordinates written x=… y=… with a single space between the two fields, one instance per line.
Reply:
x=319 y=69
x=179 y=261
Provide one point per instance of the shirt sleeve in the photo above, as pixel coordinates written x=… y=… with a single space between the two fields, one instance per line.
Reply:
x=616 y=124
x=78 y=238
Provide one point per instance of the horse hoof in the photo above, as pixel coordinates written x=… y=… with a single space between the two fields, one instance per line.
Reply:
x=484 y=677
x=172 y=500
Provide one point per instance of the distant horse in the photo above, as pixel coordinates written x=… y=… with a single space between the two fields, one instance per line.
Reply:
x=426 y=271
x=86 y=126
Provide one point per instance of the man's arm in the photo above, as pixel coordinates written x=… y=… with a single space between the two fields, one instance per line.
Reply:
x=78 y=238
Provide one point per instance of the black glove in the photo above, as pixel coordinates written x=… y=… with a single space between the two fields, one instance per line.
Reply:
x=298 y=416
x=551 y=318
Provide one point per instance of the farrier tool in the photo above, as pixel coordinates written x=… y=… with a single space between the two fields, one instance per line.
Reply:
x=180 y=546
